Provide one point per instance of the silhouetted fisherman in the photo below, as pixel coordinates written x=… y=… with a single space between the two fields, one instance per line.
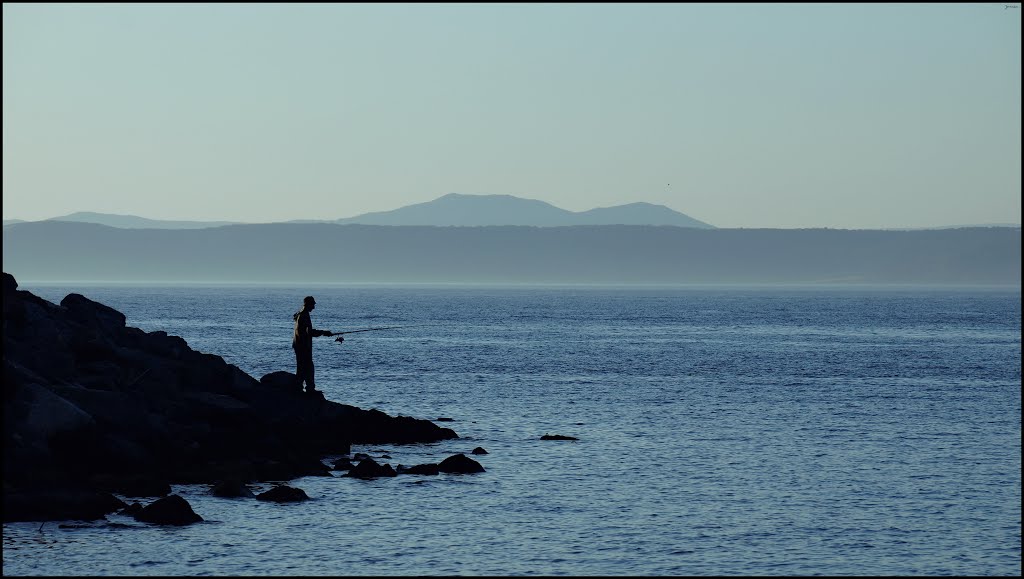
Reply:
x=302 y=343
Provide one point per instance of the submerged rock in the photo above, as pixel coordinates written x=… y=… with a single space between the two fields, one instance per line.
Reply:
x=424 y=469
x=557 y=437
x=479 y=450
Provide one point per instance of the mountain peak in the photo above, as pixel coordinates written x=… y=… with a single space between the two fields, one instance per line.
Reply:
x=460 y=209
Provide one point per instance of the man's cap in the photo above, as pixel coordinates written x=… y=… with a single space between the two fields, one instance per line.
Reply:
x=308 y=300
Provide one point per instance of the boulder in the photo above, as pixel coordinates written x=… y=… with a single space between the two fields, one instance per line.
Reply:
x=9 y=284
x=368 y=468
x=283 y=381
x=283 y=494
x=172 y=510
x=460 y=464
x=43 y=415
x=479 y=450
x=86 y=311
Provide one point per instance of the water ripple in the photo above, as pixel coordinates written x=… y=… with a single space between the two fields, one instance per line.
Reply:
x=776 y=432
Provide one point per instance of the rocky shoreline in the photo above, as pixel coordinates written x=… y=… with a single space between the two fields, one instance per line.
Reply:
x=93 y=407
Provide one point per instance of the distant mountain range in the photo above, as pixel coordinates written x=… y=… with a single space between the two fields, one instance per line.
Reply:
x=450 y=210
x=456 y=209
x=129 y=221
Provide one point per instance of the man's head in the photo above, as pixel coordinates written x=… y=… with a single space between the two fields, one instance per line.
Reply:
x=308 y=302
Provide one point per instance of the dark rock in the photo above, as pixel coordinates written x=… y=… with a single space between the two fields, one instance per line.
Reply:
x=281 y=380
x=445 y=419
x=58 y=504
x=461 y=464
x=374 y=427
x=342 y=464
x=85 y=394
x=479 y=450
x=84 y=310
x=283 y=494
x=133 y=486
x=10 y=284
x=557 y=437
x=76 y=526
x=172 y=510
x=360 y=456
x=132 y=509
x=368 y=468
x=426 y=469
x=47 y=414
x=231 y=489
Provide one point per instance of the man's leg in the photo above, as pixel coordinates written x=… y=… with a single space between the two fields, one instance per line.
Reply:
x=310 y=383
x=302 y=373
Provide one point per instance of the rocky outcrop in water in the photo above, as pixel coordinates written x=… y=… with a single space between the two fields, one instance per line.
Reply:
x=283 y=494
x=429 y=469
x=369 y=468
x=460 y=464
x=172 y=510
x=94 y=406
x=557 y=437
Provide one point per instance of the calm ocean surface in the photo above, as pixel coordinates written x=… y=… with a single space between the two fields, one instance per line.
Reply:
x=734 y=430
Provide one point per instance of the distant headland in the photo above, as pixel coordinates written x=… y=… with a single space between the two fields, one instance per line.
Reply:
x=60 y=251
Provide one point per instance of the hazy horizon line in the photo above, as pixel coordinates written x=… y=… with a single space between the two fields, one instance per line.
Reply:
x=225 y=222
x=313 y=285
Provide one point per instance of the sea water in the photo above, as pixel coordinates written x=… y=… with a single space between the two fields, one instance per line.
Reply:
x=722 y=430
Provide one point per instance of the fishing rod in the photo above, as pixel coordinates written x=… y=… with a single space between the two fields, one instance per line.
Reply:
x=342 y=339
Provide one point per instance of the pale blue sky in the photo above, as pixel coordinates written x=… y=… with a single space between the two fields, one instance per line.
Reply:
x=739 y=115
